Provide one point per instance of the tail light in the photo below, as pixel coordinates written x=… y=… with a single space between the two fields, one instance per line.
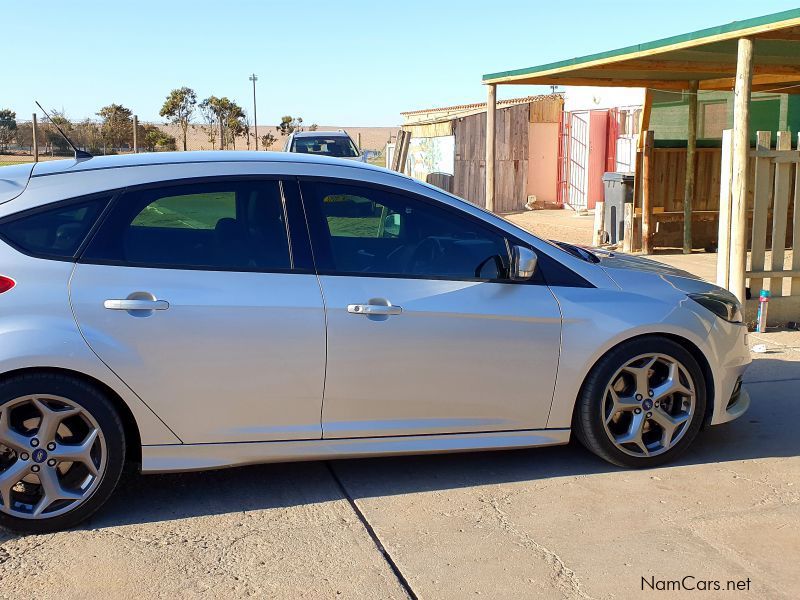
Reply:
x=6 y=283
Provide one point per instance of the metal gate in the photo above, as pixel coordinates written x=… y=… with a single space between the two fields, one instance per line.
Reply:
x=573 y=159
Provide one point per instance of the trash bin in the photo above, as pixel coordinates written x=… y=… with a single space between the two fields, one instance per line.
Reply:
x=618 y=189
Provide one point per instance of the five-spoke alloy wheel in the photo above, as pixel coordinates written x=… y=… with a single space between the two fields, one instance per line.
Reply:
x=61 y=445
x=642 y=404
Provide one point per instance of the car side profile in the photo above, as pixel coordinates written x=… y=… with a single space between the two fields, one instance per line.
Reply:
x=190 y=311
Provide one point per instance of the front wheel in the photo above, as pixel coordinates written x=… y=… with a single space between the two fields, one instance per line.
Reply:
x=642 y=404
x=62 y=449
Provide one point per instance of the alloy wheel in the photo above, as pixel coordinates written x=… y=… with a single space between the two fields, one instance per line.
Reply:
x=52 y=456
x=648 y=405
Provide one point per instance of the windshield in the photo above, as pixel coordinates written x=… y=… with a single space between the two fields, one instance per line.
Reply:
x=340 y=146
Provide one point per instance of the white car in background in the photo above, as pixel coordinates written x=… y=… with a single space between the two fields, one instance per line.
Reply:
x=200 y=310
x=337 y=144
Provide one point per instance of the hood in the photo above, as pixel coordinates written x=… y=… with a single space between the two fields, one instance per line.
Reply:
x=613 y=260
x=639 y=273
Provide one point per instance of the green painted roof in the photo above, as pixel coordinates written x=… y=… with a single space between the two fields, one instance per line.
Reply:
x=702 y=36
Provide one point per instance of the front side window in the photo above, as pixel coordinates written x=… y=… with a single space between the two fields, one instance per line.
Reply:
x=55 y=232
x=236 y=225
x=372 y=231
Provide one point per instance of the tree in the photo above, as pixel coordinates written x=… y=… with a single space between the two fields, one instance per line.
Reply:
x=56 y=142
x=208 y=110
x=117 y=126
x=289 y=125
x=179 y=108
x=156 y=140
x=8 y=127
x=267 y=140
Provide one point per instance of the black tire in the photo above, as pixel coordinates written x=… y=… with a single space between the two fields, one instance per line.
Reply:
x=588 y=416
x=95 y=402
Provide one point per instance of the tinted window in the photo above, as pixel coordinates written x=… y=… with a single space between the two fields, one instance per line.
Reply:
x=238 y=225
x=54 y=232
x=340 y=146
x=372 y=231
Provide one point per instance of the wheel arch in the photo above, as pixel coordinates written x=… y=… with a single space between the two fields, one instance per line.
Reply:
x=133 y=438
x=690 y=346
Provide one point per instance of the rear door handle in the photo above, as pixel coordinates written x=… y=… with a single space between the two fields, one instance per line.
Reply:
x=136 y=304
x=373 y=309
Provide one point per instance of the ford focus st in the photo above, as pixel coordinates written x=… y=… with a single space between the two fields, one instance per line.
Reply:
x=203 y=310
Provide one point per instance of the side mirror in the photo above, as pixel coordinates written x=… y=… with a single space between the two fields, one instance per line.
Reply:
x=523 y=263
x=391 y=225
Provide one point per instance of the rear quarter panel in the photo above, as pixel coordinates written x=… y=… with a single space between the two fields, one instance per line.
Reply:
x=37 y=329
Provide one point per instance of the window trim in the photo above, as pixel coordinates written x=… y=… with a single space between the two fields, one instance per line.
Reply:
x=111 y=195
x=119 y=193
x=538 y=278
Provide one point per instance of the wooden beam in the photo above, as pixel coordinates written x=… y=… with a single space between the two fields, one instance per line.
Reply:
x=647 y=190
x=727 y=83
x=664 y=84
x=785 y=35
x=491 y=135
x=724 y=238
x=690 y=67
x=741 y=145
x=691 y=151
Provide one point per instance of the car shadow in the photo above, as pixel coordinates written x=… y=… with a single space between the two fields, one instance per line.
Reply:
x=767 y=430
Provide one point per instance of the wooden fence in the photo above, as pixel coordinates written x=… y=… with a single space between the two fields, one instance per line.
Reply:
x=774 y=229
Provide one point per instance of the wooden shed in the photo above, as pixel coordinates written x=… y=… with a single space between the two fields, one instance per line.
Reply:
x=448 y=149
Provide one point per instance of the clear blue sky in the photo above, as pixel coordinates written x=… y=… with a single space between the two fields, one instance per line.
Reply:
x=335 y=62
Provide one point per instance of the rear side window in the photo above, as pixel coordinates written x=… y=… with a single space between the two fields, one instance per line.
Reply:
x=215 y=225
x=53 y=232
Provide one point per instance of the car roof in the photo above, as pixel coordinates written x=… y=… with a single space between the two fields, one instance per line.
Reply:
x=321 y=134
x=71 y=165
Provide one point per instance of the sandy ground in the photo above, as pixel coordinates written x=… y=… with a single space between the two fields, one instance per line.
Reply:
x=563 y=225
x=547 y=523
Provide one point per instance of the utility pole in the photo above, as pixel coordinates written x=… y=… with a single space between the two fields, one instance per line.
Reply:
x=135 y=134
x=253 y=78
x=35 y=133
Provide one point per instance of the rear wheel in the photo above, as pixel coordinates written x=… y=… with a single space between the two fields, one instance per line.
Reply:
x=642 y=404
x=62 y=449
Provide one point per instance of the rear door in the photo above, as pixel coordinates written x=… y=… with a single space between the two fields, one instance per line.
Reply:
x=194 y=295
x=426 y=334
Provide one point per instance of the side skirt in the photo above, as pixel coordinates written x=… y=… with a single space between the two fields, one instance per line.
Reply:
x=199 y=457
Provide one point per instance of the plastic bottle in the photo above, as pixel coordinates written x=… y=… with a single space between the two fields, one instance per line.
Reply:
x=763 y=306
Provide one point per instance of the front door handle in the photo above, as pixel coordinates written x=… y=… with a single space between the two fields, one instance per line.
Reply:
x=137 y=304
x=374 y=309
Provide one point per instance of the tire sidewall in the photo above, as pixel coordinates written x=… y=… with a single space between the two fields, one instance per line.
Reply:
x=589 y=413
x=93 y=401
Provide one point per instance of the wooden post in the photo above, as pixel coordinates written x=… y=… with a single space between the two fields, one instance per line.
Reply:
x=35 y=133
x=599 y=224
x=795 y=284
x=762 y=198
x=135 y=134
x=647 y=189
x=631 y=231
x=724 y=237
x=780 y=207
x=358 y=137
x=691 y=151
x=491 y=116
x=741 y=146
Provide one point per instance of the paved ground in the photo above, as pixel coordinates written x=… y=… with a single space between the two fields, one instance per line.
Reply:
x=550 y=523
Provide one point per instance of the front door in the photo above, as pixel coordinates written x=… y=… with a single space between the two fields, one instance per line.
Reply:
x=190 y=293
x=425 y=332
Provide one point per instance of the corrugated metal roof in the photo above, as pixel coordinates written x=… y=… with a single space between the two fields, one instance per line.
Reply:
x=478 y=105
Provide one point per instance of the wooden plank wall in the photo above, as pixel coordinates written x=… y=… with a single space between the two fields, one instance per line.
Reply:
x=511 y=170
x=669 y=166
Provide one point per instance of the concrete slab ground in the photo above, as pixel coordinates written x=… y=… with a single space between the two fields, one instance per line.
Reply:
x=550 y=523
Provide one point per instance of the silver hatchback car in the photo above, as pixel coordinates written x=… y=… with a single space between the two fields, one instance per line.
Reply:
x=187 y=311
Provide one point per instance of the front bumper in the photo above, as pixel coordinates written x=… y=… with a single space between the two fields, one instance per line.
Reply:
x=728 y=345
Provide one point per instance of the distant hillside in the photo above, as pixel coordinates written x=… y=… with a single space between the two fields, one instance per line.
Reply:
x=372 y=138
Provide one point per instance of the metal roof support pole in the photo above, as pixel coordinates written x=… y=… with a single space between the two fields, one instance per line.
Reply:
x=491 y=134
x=741 y=146
x=691 y=167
